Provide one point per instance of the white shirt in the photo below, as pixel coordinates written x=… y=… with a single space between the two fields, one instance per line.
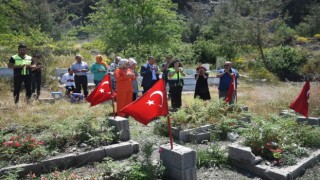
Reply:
x=67 y=77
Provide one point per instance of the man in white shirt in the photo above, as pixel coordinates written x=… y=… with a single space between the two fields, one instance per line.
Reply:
x=68 y=79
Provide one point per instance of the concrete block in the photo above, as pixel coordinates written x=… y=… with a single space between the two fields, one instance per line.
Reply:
x=60 y=162
x=244 y=108
x=184 y=135
x=279 y=173
x=57 y=95
x=200 y=137
x=121 y=127
x=310 y=120
x=313 y=121
x=246 y=119
x=118 y=151
x=177 y=174
x=47 y=100
x=135 y=147
x=243 y=154
x=85 y=158
x=179 y=157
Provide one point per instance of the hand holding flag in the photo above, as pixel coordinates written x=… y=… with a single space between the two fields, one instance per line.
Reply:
x=231 y=90
x=102 y=92
x=151 y=104
x=301 y=103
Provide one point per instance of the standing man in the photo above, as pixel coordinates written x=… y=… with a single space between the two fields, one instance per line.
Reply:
x=225 y=76
x=36 y=69
x=164 y=70
x=20 y=63
x=149 y=73
x=80 y=69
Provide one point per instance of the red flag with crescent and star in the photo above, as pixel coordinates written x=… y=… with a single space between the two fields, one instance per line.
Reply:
x=151 y=104
x=231 y=90
x=102 y=92
x=301 y=103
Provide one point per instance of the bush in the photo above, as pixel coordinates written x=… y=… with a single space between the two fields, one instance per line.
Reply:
x=212 y=157
x=285 y=62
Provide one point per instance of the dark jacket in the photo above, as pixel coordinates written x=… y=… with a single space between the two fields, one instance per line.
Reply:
x=146 y=73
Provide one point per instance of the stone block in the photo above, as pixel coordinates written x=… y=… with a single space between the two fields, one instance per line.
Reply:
x=121 y=127
x=118 y=151
x=56 y=95
x=135 y=147
x=243 y=154
x=58 y=163
x=310 y=120
x=246 y=119
x=179 y=157
x=47 y=100
x=184 y=135
x=244 y=108
x=85 y=158
x=177 y=174
x=314 y=121
x=200 y=137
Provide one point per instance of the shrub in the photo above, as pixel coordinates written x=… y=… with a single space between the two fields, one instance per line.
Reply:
x=302 y=39
x=214 y=156
x=285 y=62
x=317 y=36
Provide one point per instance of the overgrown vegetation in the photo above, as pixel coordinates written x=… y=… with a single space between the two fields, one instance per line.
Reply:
x=281 y=140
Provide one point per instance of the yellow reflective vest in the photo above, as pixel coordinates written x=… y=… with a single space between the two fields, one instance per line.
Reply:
x=176 y=79
x=19 y=62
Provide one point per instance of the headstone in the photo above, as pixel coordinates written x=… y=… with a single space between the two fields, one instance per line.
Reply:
x=180 y=162
x=242 y=154
x=121 y=125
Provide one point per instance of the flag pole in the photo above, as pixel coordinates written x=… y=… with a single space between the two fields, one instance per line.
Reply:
x=170 y=133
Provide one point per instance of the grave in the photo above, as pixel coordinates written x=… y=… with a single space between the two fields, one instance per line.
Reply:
x=242 y=158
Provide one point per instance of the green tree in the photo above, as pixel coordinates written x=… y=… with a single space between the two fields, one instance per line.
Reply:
x=136 y=23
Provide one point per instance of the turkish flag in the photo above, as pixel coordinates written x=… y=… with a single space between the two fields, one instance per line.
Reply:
x=102 y=92
x=301 y=103
x=231 y=90
x=151 y=104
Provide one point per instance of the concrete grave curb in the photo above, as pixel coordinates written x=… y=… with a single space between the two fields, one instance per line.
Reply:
x=268 y=172
x=115 y=151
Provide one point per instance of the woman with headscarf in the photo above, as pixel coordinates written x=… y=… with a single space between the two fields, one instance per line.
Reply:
x=133 y=66
x=202 y=89
x=99 y=69
x=124 y=88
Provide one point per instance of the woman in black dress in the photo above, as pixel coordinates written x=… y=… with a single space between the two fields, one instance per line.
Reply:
x=202 y=88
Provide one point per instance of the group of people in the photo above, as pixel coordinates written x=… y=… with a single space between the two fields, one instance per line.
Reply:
x=124 y=75
x=26 y=70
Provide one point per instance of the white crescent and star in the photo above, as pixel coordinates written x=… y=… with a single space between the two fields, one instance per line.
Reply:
x=102 y=90
x=151 y=102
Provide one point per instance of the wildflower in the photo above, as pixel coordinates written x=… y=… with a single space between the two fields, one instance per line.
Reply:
x=17 y=144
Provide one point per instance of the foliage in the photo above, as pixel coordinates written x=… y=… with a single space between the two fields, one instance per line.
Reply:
x=214 y=156
x=281 y=139
x=142 y=169
x=138 y=22
x=93 y=133
x=311 y=22
x=225 y=126
x=302 y=39
x=285 y=62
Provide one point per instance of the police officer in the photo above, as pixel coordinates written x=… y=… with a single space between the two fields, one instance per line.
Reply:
x=20 y=63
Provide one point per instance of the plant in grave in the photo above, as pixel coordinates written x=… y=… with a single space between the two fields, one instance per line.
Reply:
x=93 y=132
x=278 y=139
x=223 y=127
x=161 y=127
x=198 y=112
x=20 y=148
x=214 y=156
x=138 y=167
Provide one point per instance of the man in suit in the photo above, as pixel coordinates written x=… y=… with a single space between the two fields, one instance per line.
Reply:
x=149 y=73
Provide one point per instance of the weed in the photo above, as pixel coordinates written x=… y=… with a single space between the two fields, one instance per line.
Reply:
x=214 y=156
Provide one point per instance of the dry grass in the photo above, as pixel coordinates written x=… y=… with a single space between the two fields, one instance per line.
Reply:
x=261 y=99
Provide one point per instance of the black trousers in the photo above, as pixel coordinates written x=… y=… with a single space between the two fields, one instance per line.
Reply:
x=35 y=83
x=176 y=92
x=81 y=81
x=17 y=81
